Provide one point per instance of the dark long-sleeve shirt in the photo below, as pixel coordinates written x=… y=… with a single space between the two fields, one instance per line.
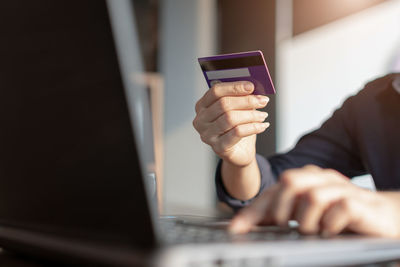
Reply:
x=362 y=136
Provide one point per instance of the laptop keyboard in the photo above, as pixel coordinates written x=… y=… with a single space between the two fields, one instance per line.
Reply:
x=182 y=233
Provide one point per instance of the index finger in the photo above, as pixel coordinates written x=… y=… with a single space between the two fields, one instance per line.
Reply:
x=219 y=90
x=253 y=214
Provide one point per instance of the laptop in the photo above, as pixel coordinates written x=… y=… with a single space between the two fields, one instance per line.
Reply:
x=75 y=147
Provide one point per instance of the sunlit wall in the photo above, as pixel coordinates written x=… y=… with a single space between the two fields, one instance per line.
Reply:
x=318 y=69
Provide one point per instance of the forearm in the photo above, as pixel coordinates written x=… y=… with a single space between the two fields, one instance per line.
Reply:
x=242 y=183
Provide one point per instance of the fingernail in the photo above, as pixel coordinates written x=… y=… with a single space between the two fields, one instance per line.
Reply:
x=265 y=125
x=248 y=86
x=262 y=115
x=262 y=100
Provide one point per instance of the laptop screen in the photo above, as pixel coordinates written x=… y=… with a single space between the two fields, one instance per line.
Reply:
x=68 y=160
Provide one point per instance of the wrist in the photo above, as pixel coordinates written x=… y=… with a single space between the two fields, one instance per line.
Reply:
x=241 y=165
x=241 y=182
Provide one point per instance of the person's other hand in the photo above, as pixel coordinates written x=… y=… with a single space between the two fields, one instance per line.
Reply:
x=322 y=201
x=227 y=120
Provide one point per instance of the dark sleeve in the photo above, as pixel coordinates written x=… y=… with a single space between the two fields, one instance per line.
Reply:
x=267 y=179
x=331 y=146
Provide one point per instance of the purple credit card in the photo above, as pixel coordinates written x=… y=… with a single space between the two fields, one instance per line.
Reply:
x=244 y=66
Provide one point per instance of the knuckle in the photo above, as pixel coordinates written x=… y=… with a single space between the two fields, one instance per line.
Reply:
x=337 y=175
x=250 y=101
x=334 y=175
x=311 y=167
x=197 y=106
x=194 y=123
x=226 y=121
x=287 y=178
x=214 y=89
x=312 y=197
x=213 y=92
x=206 y=139
x=346 y=204
x=203 y=139
x=218 y=147
x=229 y=118
x=212 y=141
x=330 y=171
x=237 y=131
x=198 y=121
x=221 y=124
x=224 y=103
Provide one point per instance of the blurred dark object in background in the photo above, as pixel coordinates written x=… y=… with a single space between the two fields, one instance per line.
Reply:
x=146 y=12
x=246 y=26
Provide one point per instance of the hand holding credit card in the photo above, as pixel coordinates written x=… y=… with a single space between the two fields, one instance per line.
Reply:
x=228 y=116
x=244 y=66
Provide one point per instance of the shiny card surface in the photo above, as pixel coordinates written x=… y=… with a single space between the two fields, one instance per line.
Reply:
x=244 y=66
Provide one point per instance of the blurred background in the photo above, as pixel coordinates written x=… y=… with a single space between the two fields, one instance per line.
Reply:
x=318 y=53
